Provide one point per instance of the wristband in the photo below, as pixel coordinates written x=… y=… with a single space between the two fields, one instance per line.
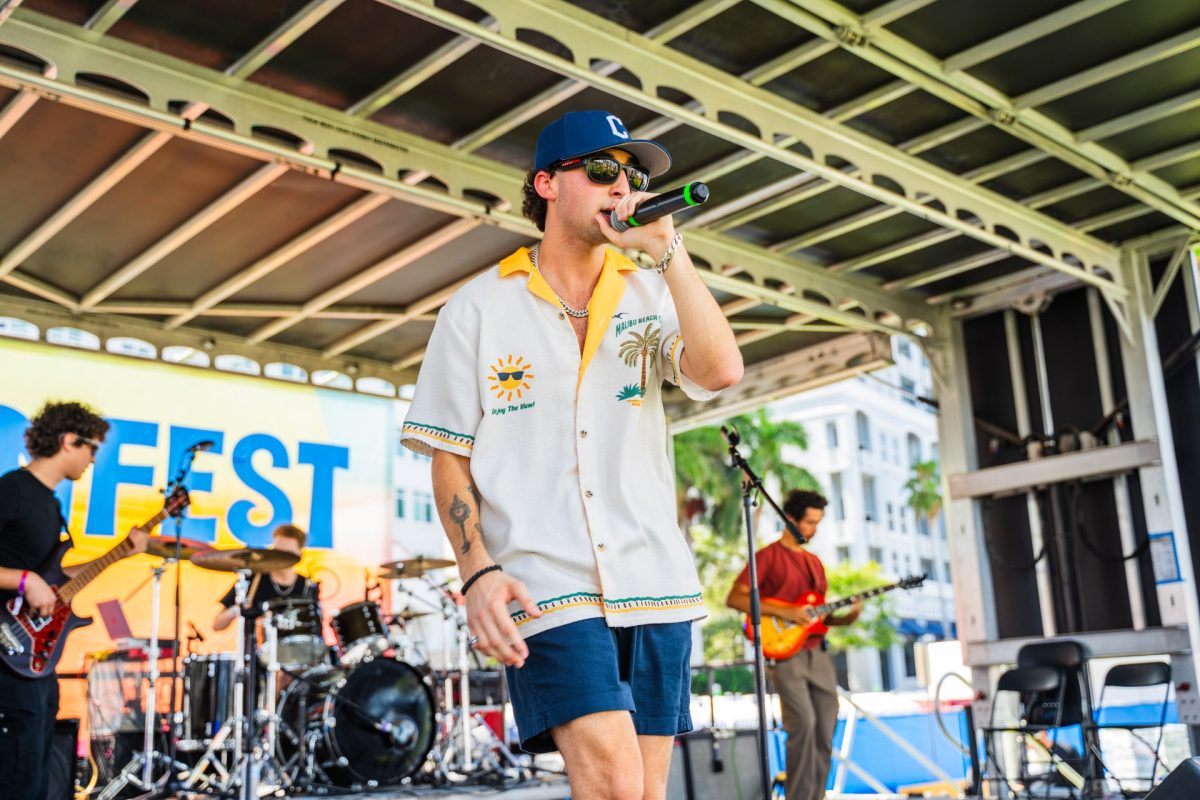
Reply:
x=21 y=585
x=471 y=580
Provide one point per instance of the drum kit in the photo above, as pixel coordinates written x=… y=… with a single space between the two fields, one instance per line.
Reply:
x=286 y=712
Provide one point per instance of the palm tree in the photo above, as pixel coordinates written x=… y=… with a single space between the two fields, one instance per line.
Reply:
x=702 y=473
x=924 y=488
x=640 y=346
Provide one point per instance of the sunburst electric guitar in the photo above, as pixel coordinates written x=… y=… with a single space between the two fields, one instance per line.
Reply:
x=31 y=644
x=783 y=638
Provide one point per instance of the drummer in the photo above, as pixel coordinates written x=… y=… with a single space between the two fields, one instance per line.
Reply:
x=281 y=584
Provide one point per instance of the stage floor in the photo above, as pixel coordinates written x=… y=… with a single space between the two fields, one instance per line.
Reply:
x=555 y=788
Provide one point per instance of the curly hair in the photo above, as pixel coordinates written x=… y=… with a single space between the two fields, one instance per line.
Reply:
x=534 y=205
x=800 y=500
x=44 y=436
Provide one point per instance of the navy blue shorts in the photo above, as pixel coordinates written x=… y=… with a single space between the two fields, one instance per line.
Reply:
x=586 y=667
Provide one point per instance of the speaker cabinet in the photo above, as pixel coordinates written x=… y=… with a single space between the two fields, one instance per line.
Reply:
x=1182 y=784
x=61 y=785
x=714 y=766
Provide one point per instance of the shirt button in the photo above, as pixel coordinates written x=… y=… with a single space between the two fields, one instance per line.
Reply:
x=583 y=434
x=600 y=547
x=588 y=493
x=561 y=315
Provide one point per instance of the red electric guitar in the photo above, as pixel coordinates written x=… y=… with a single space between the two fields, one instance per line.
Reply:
x=31 y=645
x=783 y=638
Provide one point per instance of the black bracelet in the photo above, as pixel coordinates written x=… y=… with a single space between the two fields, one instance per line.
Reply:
x=479 y=575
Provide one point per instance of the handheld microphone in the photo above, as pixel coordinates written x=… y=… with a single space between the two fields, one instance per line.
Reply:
x=201 y=446
x=693 y=194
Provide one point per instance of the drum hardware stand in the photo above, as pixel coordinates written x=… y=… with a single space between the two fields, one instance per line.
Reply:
x=145 y=760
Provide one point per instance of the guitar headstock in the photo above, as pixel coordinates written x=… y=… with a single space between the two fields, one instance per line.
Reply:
x=176 y=502
x=912 y=581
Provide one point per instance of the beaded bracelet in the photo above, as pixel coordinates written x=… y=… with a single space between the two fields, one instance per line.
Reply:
x=471 y=580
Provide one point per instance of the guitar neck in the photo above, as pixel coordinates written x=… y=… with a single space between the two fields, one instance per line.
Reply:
x=834 y=605
x=67 y=592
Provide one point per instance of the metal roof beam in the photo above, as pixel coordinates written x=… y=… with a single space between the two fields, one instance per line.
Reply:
x=108 y=15
x=658 y=67
x=890 y=52
x=1113 y=68
x=1029 y=32
x=372 y=274
x=83 y=199
x=888 y=13
x=165 y=78
x=14 y=109
x=291 y=30
x=1143 y=116
x=890 y=251
x=231 y=199
x=948 y=270
x=42 y=289
x=415 y=75
x=562 y=91
x=335 y=223
x=265 y=310
x=419 y=308
x=1166 y=158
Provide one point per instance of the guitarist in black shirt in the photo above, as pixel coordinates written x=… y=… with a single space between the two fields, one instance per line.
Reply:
x=62 y=441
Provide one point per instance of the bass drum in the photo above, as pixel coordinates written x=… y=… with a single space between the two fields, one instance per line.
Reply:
x=372 y=726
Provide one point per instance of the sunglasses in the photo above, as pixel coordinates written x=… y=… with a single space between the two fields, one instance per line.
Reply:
x=606 y=170
x=516 y=376
x=81 y=440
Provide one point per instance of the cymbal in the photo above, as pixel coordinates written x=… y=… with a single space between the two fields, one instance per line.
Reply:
x=413 y=567
x=255 y=559
x=164 y=547
x=408 y=613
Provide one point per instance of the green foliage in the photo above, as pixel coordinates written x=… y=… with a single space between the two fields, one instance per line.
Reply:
x=718 y=532
x=873 y=628
x=924 y=488
x=732 y=679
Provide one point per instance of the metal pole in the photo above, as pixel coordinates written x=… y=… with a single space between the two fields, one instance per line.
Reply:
x=152 y=691
x=760 y=668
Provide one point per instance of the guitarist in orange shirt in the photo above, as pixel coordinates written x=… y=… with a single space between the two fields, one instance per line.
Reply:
x=62 y=440
x=807 y=681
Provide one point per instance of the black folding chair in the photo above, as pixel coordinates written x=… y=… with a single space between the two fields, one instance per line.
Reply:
x=1138 y=675
x=1038 y=693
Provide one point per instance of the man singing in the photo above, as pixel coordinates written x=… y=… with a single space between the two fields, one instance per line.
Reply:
x=540 y=401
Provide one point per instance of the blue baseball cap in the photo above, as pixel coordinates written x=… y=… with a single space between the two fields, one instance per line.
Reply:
x=578 y=133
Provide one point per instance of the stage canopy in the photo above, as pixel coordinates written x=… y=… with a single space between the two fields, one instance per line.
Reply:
x=305 y=183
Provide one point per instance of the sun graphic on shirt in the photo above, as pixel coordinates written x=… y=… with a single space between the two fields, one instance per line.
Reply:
x=509 y=378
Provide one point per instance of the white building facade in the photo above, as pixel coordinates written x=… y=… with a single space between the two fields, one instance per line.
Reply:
x=863 y=436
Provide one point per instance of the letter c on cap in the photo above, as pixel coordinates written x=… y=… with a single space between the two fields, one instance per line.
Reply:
x=618 y=127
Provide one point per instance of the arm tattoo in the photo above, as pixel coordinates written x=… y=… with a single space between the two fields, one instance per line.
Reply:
x=459 y=513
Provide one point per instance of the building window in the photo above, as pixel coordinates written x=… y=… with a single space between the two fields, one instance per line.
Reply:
x=864 y=431
x=876 y=555
x=831 y=434
x=423 y=506
x=922 y=524
x=907 y=564
x=941 y=527
x=891 y=517
x=910 y=657
x=843 y=553
x=885 y=669
x=399 y=504
x=914 y=449
x=903 y=519
x=904 y=348
x=908 y=391
x=870 y=509
x=835 y=496
x=927 y=569
x=946 y=572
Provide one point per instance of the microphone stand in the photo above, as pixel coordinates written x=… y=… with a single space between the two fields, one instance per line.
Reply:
x=752 y=485
x=173 y=782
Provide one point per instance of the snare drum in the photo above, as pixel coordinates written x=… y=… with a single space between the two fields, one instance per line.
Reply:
x=208 y=698
x=360 y=633
x=300 y=643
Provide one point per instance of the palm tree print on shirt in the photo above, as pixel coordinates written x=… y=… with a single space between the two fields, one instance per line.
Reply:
x=639 y=347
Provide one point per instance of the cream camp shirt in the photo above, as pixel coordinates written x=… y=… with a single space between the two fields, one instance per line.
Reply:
x=569 y=454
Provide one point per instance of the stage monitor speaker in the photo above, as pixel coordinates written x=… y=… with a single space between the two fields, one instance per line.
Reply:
x=1182 y=784
x=61 y=785
x=704 y=768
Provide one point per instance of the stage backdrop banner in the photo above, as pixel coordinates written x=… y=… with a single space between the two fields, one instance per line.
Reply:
x=318 y=458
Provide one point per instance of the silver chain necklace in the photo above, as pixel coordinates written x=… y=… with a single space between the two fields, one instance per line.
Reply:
x=577 y=313
x=279 y=590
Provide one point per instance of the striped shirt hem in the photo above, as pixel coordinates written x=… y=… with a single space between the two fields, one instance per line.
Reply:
x=623 y=606
x=440 y=434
